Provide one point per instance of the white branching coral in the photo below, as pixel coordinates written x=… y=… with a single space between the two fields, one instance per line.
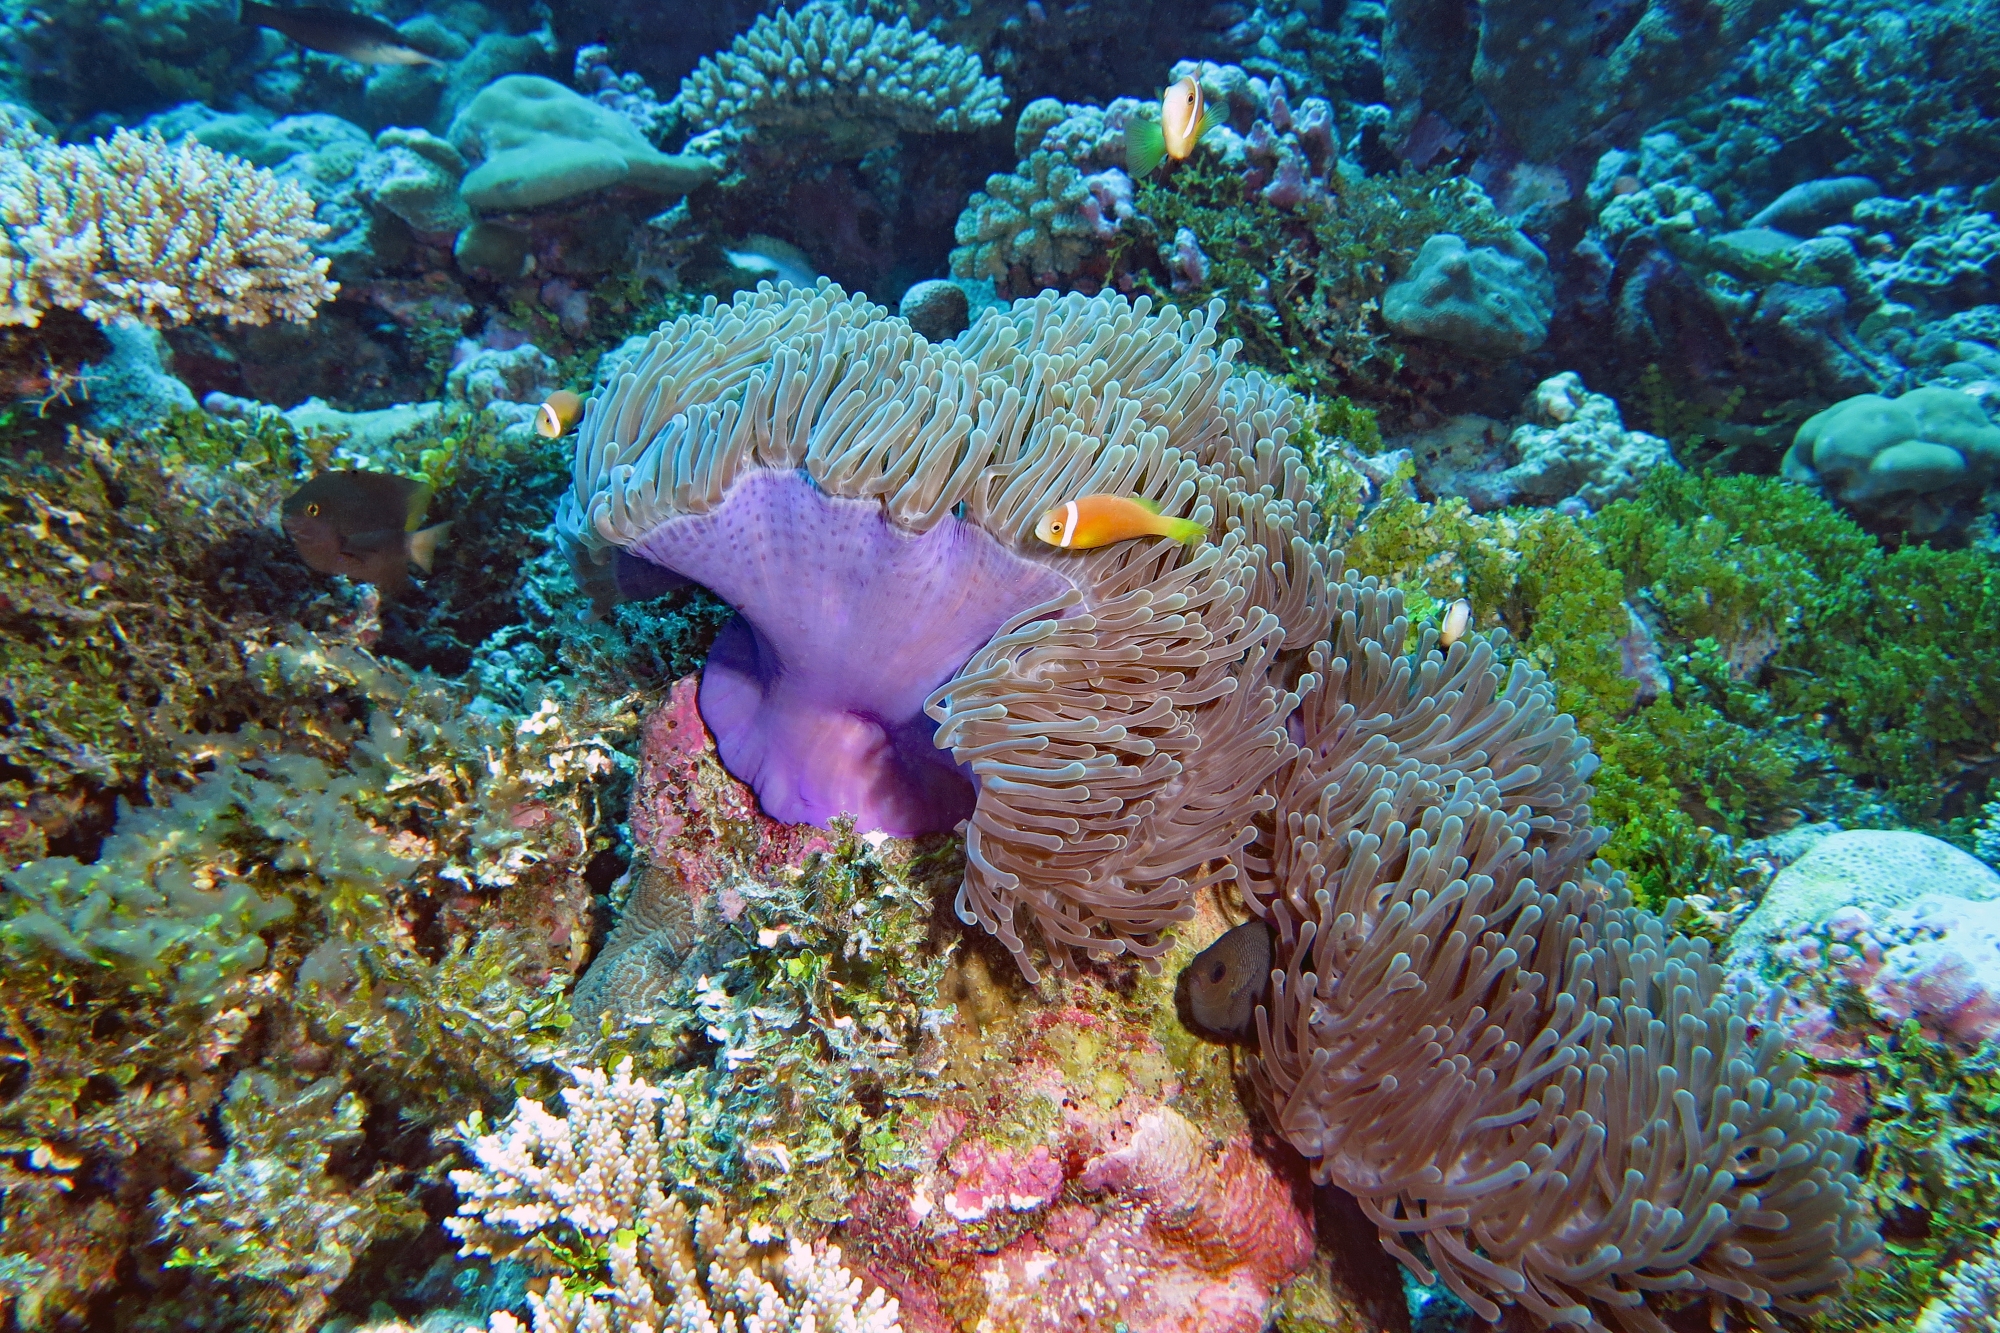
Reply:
x=1970 y=1301
x=588 y=1197
x=823 y=69
x=136 y=228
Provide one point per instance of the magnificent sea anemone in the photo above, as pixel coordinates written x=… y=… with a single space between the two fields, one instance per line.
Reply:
x=906 y=651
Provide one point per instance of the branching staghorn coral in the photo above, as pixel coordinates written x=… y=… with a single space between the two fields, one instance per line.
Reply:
x=1470 y=1030
x=136 y=228
x=585 y=1196
x=1111 y=706
x=825 y=70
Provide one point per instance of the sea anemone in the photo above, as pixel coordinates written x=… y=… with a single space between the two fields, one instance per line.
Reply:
x=1103 y=723
x=1471 y=1030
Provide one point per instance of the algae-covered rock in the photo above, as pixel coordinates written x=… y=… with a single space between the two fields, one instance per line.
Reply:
x=537 y=143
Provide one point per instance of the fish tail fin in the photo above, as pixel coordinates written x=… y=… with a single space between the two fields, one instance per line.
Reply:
x=1184 y=530
x=424 y=545
x=1210 y=118
x=1145 y=147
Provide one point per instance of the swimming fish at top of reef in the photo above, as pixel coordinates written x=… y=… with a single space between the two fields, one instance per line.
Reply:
x=1099 y=520
x=364 y=525
x=1228 y=978
x=338 y=33
x=558 y=412
x=1184 y=117
x=1457 y=619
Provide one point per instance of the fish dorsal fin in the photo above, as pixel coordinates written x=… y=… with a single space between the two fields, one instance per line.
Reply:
x=1150 y=506
x=424 y=545
x=420 y=500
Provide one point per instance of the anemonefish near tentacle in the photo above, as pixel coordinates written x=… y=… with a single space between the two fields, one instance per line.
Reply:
x=1184 y=117
x=558 y=414
x=1099 y=520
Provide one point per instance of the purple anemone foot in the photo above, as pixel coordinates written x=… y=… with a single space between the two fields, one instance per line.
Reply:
x=845 y=624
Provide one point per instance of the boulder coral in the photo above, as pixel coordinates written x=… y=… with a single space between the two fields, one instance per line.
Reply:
x=533 y=142
x=1917 y=462
x=1102 y=720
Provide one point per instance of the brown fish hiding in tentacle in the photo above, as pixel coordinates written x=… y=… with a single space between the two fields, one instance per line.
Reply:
x=1226 y=981
x=336 y=32
x=364 y=525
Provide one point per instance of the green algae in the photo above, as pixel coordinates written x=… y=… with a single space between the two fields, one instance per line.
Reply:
x=1811 y=668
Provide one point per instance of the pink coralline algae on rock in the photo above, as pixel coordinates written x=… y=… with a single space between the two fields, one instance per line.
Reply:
x=1118 y=1211
x=1936 y=960
x=672 y=787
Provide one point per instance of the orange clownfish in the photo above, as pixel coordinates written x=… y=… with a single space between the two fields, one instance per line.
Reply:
x=556 y=415
x=1184 y=118
x=1099 y=520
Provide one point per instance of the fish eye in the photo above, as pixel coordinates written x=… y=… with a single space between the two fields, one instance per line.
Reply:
x=1221 y=971
x=312 y=511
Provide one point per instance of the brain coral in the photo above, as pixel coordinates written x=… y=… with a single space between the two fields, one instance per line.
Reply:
x=825 y=70
x=907 y=651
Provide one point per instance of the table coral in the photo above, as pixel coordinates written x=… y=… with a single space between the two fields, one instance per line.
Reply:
x=714 y=483
x=132 y=227
x=825 y=70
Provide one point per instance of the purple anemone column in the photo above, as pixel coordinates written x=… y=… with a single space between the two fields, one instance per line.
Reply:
x=845 y=623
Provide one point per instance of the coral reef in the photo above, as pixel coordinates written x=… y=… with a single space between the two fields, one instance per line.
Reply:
x=841 y=1059
x=134 y=228
x=1572 y=452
